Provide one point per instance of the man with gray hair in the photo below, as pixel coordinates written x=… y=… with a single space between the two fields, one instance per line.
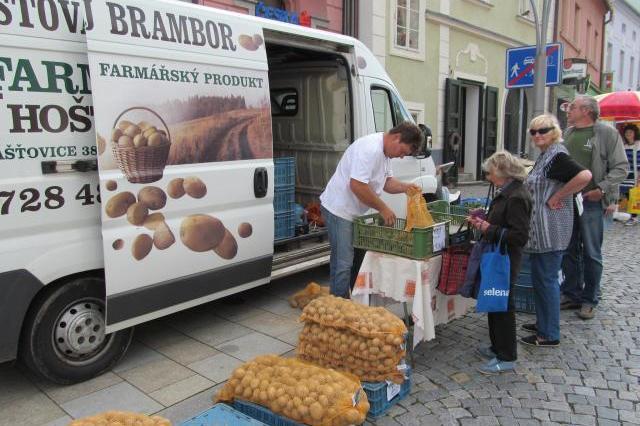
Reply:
x=598 y=148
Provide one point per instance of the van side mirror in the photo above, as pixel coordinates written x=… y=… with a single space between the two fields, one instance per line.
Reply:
x=425 y=149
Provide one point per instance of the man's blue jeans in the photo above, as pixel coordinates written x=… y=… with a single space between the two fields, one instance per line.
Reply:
x=341 y=240
x=546 y=293
x=582 y=262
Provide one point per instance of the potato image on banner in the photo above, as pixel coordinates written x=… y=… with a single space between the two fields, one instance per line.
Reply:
x=141 y=246
x=194 y=187
x=201 y=232
x=153 y=221
x=132 y=131
x=257 y=40
x=246 y=41
x=125 y=141
x=119 y=204
x=137 y=213
x=228 y=247
x=111 y=185
x=163 y=237
x=124 y=124
x=152 y=197
x=118 y=244
x=115 y=135
x=139 y=141
x=175 y=189
x=245 y=230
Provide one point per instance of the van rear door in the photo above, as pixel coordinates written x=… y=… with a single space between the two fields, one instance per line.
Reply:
x=182 y=116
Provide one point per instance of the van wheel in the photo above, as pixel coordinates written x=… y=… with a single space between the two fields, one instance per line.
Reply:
x=64 y=337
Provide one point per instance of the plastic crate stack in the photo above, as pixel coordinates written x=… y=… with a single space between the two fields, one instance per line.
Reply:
x=384 y=395
x=284 y=197
x=523 y=288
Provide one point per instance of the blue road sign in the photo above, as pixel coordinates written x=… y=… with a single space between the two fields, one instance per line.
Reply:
x=521 y=62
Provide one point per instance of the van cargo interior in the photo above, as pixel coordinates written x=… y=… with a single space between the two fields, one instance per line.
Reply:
x=312 y=123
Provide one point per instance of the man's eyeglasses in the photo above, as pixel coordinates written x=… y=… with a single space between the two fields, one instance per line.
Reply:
x=542 y=131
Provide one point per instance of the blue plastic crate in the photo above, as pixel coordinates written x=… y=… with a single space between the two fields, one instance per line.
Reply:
x=285 y=171
x=377 y=395
x=284 y=198
x=263 y=414
x=285 y=225
x=523 y=299
x=222 y=415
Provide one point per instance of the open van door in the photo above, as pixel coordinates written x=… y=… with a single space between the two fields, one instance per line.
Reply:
x=182 y=116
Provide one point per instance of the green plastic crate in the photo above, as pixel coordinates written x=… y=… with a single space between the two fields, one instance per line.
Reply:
x=369 y=233
x=441 y=206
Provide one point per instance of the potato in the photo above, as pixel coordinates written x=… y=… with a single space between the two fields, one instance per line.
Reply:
x=124 y=124
x=257 y=40
x=125 y=142
x=194 y=187
x=111 y=185
x=201 y=232
x=115 y=134
x=152 y=197
x=153 y=221
x=118 y=244
x=228 y=247
x=246 y=41
x=137 y=213
x=157 y=139
x=163 y=237
x=245 y=230
x=119 y=203
x=101 y=143
x=139 y=141
x=175 y=188
x=141 y=246
x=144 y=125
x=132 y=131
x=149 y=131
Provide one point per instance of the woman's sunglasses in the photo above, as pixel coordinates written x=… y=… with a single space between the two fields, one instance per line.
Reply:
x=542 y=131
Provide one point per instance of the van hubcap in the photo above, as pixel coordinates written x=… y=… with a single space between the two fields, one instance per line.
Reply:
x=79 y=330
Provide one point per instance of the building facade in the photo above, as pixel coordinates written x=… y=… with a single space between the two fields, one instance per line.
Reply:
x=447 y=58
x=580 y=28
x=622 y=49
x=330 y=15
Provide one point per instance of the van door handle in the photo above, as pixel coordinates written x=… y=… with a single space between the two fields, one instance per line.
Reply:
x=260 y=182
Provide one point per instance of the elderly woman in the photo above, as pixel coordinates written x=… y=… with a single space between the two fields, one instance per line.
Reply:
x=510 y=211
x=553 y=181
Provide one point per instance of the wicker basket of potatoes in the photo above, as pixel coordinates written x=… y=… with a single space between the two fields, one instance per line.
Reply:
x=140 y=149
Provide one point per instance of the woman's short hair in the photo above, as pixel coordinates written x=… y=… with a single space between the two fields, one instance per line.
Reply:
x=547 y=120
x=634 y=129
x=505 y=165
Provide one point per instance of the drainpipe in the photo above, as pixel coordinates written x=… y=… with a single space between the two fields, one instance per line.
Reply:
x=604 y=32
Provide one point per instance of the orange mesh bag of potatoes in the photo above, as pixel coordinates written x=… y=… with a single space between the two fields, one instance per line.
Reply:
x=298 y=390
x=368 y=371
x=418 y=215
x=307 y=294
x=345 y=342
x=121 y=418
x=363 y=320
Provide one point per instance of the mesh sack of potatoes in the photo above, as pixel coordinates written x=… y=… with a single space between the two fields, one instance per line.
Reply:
x=382 y=365
x=362 y=320
x=345 y=342
x=395 y=375
x=312 y=291
x=300 y=391
x=121 y=418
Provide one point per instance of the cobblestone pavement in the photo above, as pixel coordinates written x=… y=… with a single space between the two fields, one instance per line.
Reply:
x=177 y=363
x=592 y=378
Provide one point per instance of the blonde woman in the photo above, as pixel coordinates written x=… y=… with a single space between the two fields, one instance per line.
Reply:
x=553 y=181
x=510 y=212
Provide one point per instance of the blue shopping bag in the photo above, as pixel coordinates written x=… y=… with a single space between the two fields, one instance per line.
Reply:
x=495 y=270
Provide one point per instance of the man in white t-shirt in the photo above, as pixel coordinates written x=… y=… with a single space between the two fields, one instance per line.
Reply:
x=364 y=171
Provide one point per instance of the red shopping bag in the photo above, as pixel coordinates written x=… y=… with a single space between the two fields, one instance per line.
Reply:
x=455 y=260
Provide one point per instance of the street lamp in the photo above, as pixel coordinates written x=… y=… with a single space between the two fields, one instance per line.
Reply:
x=540 y=73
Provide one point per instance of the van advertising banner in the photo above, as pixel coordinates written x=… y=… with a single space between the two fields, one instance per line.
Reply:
x=183 y=120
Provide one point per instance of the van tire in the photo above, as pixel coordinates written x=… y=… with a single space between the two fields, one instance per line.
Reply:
x=63 y=337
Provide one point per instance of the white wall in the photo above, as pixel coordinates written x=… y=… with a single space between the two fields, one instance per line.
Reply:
x=623 y=14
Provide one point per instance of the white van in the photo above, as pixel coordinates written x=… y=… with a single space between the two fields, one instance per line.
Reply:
x=172 y=113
